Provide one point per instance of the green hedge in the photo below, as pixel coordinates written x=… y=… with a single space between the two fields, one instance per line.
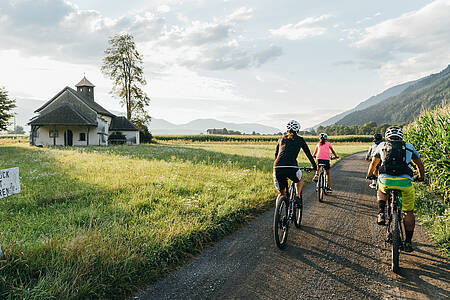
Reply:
x=255 y=138
x=430 y=135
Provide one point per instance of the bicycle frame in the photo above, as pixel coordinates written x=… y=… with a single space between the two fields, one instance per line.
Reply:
x=394 y=207
x=394 y=213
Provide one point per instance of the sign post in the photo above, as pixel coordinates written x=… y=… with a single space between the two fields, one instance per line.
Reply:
x=9 y=185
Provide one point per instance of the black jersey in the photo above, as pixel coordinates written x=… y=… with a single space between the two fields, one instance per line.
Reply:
x=287 y=151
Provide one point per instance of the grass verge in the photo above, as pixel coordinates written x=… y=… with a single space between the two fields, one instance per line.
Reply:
x=434 y=214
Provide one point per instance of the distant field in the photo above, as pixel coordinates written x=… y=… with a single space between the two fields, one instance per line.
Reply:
x=256 y=138
x=101 y=222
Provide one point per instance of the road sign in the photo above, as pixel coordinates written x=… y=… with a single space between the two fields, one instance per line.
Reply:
x=9 y=182
x=9 y=185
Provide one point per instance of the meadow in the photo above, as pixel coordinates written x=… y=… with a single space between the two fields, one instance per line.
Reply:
x=102 y=222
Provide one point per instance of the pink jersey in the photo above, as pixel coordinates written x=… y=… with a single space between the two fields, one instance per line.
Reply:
x=323 y=151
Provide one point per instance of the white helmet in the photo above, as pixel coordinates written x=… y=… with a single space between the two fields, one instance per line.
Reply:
x=323 y=136
x=293 y=126
x=394 y=133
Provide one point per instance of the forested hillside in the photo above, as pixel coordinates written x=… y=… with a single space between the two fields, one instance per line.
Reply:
x=427 y=93
x=393 y=91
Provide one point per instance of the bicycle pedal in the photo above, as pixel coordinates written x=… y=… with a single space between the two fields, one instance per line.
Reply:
x=388 y=238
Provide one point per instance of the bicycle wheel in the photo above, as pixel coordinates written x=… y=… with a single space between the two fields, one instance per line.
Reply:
x=298 y=213
x=281 y=222
x=395 y=242
x=321 y=186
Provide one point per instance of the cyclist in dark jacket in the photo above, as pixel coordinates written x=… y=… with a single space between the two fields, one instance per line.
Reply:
x=285 y=165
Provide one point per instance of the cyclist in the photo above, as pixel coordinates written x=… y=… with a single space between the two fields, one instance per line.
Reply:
x=285 y=165
x=396 y=156
x=322 y=152
x=377 y=139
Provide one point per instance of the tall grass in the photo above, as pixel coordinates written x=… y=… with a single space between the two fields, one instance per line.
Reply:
x=430 y=134
x=102 y=222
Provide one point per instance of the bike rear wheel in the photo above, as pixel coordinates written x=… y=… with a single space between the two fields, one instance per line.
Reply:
x=281 y=222
x=396 y=243
x=298 y=213
x=321 y=187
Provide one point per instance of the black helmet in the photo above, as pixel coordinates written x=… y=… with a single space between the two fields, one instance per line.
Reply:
x=377 y=137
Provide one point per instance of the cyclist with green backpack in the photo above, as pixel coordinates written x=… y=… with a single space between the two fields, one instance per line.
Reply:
x=396 y=157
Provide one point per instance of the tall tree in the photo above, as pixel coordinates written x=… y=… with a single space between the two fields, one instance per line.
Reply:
x=6 y=105
x=124 y=65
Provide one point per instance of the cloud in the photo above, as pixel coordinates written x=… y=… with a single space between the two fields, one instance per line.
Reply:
x=304 y=29
x=163 y=8
x=267 y=54
x=58 y=29
x=409 y=46
x=366 y=19
x=62 y=31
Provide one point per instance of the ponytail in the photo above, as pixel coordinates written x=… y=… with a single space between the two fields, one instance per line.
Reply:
x=322 y=141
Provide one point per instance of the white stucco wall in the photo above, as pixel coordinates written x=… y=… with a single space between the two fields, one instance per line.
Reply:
x=44 y=138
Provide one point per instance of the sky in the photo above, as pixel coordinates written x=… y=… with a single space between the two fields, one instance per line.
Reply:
x=238 y=61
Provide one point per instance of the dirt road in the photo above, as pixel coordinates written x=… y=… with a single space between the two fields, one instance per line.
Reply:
x=339 y=253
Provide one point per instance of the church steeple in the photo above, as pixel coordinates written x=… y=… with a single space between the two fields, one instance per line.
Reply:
x=86 y=89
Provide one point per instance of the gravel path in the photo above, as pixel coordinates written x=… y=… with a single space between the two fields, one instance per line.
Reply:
x=339 y=253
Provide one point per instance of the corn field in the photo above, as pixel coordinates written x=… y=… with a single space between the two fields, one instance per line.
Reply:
x=430 y=135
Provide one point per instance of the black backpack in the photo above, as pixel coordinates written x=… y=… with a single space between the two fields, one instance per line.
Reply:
x=395 y=159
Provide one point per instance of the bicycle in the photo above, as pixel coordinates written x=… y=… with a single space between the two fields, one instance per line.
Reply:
x=395 y=229
x=287 y=211
x=322 y=182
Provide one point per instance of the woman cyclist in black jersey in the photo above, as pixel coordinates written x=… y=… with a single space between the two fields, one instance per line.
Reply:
x=285 y=165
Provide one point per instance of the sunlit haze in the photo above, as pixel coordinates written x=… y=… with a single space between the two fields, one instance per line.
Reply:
x=238 y=61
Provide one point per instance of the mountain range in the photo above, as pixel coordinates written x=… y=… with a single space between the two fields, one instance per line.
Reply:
x=425 y=93
x=160 y=126
x=398 y=104
x=26 y=107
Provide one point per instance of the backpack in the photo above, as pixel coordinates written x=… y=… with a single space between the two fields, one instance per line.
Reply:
x=395 y=159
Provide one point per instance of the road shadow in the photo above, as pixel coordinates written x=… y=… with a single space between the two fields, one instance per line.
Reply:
x=312 y=257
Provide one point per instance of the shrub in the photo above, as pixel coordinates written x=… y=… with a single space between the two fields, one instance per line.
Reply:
x=116 y=138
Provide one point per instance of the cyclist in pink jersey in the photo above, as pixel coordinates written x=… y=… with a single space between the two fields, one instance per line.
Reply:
x=322 y=153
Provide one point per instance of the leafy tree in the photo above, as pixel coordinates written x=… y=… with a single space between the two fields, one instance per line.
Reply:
x=18 y=130
x=6 y=105
x=124 y=65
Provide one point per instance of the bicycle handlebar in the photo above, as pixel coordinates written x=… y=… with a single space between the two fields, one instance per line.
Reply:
x=371 y=177
x=306 y=169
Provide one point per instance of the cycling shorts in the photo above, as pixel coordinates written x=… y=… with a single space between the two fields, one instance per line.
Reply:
x=281 y=175
x=325 y=162
x=399 y=183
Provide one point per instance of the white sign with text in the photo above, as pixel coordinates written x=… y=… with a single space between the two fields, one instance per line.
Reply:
x=9 y=182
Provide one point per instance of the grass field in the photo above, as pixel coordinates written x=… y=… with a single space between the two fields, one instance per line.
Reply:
x=101 y=222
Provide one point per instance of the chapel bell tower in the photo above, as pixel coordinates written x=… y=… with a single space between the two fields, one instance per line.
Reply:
x=86 y=89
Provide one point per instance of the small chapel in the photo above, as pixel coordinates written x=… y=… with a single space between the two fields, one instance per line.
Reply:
x=73 y=118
